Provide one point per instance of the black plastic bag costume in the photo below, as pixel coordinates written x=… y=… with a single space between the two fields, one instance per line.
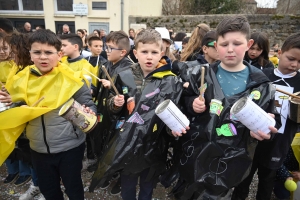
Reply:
x=212 y=164
x=141 y=144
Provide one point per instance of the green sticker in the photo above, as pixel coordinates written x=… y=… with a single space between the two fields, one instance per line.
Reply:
x=256 y=94
x=226 y=130
x=215 y=107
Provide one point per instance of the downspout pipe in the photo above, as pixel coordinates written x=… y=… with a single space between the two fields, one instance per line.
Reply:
x=122 y=13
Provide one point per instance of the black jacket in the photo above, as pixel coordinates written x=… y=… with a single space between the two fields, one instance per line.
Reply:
x=271 y=155
x=213 y=163
x=257 y=65
x=139 y=144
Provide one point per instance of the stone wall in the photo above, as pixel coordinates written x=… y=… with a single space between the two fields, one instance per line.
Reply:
x=277 y=27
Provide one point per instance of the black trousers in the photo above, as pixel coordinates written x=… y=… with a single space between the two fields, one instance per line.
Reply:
x=129 y=183
x=266 y=180
x=65 y=166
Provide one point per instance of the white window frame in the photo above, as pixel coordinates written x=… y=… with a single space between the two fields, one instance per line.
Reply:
x=56 y=11
x=21 y=11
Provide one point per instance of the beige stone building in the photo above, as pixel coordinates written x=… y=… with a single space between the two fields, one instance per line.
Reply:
x=109 y=15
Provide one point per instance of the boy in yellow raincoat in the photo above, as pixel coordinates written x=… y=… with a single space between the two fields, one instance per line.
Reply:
x=57 y=147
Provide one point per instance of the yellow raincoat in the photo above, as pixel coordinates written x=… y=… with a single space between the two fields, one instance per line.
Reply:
x=83 y=64
x=57 y=87
x=5 y=68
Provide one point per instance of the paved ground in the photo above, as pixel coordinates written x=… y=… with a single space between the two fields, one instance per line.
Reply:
x=11 y=192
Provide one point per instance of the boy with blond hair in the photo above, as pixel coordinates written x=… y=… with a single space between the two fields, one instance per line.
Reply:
x=139 y=148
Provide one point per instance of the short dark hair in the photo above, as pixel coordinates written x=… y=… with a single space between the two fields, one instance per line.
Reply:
x=120 y=38
x=148 y=36
x=73 y=39
x=6 y=25
x=233 y=24
x=93 y=37
x=291 y=42
x=45 y=36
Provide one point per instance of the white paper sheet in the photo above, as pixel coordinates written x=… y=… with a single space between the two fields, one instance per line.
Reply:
x=282 y=104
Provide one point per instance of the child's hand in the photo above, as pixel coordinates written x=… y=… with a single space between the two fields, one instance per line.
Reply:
x=88 y=110
x=106 y=83
x=177 y=134
x=296 y=175
x=263 y=136
x=199 y=105
x=186 y=84
x=119 y=100
x=5 y=98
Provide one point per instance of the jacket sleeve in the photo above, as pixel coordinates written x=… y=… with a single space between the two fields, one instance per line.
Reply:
x=84 y=97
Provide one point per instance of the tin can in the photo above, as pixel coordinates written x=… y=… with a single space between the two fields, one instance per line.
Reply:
x=75 y=113
x=252 y=116
x=3 y=106
x=295 y=108
x=169 y=113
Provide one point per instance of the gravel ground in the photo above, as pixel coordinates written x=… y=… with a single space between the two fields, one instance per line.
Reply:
x=11 y=192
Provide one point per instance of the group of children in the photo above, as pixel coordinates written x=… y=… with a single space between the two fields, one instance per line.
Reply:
x=129 y=139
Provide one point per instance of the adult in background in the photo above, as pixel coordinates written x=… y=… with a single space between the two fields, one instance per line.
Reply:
x=26 y=28
x=131 y=33
x=66 y=29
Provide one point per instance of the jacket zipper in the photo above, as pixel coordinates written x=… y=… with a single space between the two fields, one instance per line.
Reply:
x=44 y=134
x=143 y=84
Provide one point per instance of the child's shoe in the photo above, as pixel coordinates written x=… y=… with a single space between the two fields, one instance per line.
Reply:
x=11 y=178
x=30 y=193
x=22 y=180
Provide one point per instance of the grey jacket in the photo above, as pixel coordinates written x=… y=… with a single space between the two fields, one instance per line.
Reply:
x=51 y=133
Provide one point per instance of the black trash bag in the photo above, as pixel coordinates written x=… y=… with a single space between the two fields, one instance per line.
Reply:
x=135 y=146
x=213 y=164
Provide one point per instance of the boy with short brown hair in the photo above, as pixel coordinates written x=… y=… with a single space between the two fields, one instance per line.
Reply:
x=217 y=151
x=139 y=147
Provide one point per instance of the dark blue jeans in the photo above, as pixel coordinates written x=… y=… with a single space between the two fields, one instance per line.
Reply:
x=67 y=165
x=129 y=183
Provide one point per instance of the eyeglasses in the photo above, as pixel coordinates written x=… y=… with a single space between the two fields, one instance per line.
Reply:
x=38 y=54
x=109 y=49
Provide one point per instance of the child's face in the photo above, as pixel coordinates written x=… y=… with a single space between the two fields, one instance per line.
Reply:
x=254 y=51
x=44 y=56
x=96 y=47
x=232 y=48
x=114 y=53
x=211 y=53
x=69 y=49
x=271 y=52
x=289 y=61
x=4 y=50
x=148 y=56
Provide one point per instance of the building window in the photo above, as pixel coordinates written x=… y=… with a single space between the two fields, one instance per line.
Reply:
x=64 y=5
x=33 y=5
x=9 y=5
x=99 y=6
